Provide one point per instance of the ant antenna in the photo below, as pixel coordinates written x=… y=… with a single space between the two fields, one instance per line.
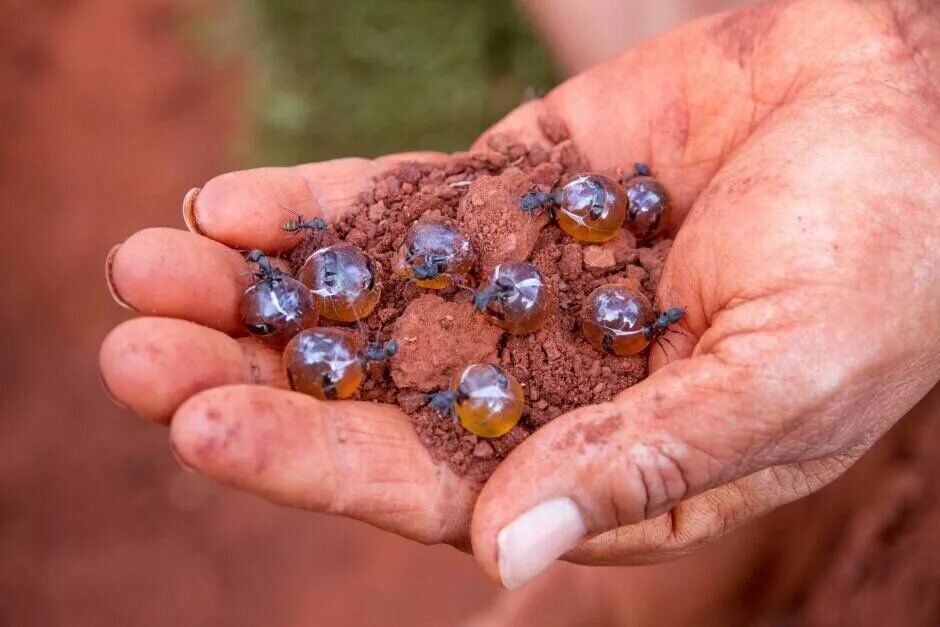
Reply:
x=289 y=210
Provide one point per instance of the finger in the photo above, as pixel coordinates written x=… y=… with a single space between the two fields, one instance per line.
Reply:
x=356 y=459
x=247 y=209
x=696 y=521
x=166 y=272
x=152 y=365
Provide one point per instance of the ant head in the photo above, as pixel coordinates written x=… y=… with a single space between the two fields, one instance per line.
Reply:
x=380 y=352
x=256 y=256
x=534 y=199
x=641 y=169
x=442 y=402
x=481 y=299
x=425 y=270
x=674 y=314
x=316 y=224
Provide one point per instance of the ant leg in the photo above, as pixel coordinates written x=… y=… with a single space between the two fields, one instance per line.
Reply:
x=657 y=345
x=677 y=329
x=671 y=345
x=660 y=347
x=459 y=281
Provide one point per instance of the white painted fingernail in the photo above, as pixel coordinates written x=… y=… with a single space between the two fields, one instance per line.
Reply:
x=530 y=543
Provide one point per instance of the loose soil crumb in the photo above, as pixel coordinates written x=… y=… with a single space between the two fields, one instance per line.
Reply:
x=438 y=331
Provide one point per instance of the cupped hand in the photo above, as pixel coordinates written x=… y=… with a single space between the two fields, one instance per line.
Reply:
x=802 y=146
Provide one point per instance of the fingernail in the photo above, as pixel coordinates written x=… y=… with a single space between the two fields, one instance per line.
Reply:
x=179 y=459
x=189 y=210
x=109 y=279
x=109 y=393
x=530 y=543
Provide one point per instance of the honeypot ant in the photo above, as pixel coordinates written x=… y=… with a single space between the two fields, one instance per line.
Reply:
x=483 y=399
x=536 y=199
x=298 y=223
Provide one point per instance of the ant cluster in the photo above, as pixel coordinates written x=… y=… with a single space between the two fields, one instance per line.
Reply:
x=339 y=283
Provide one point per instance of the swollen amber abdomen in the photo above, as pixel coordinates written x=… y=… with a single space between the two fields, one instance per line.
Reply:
x=434 y=254
x=488 y=401
x=276 y=308
x=515 y=298
x=324 y=363
x=591 y=208
x=616 y=320
x=649 y=207
x=342 y=279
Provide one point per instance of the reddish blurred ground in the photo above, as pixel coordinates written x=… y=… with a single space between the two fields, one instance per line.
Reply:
x=106 y=119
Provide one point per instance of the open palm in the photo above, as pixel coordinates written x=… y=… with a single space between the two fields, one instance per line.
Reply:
x=801 y=143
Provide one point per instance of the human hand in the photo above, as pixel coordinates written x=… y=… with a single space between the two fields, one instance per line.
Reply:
x=800 y=143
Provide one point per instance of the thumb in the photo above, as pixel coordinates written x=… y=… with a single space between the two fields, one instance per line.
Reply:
x=694 y=424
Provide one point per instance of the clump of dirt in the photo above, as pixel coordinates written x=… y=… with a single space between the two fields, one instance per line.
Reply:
x=489 y=213
x=435 y=338
x=438 y=331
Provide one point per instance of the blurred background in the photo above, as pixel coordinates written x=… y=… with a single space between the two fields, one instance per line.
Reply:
x=109 y=111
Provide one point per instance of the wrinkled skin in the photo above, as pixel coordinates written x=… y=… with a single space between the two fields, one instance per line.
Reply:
x=801 y=143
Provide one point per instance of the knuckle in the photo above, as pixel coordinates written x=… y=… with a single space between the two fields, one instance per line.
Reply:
x=656 y=479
